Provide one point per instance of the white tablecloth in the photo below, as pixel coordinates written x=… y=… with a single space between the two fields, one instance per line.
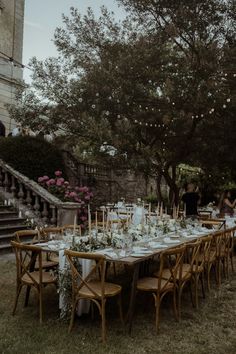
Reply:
x=83 y=305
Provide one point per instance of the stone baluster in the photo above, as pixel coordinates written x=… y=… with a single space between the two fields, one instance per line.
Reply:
x=21 y=193
x=45 y=211
x=54 y=217
x=13 y=186
x=28 y=199
x=1 y=177
x=37 y=205
x=6 y=181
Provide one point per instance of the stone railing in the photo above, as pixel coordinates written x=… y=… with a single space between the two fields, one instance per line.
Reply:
x=31 y=195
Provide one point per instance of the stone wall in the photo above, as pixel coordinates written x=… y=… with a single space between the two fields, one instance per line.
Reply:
x=11 y=44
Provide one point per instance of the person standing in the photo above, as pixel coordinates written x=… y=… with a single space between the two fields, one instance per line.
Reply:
x=226 y=206
x=191 y=200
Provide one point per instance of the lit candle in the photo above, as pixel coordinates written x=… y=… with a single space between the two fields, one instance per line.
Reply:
x=96 y=220
x=103 y=219
x=89 y=220
x=5 y=202
x=161 y=210
x=177 y=212
x=75 y=222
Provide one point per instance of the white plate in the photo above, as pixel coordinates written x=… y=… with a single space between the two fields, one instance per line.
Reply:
x=168 y=240
x=137 y=255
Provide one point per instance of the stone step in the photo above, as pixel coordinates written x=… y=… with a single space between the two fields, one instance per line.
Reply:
x=11 y=221
x=10 y=229
x=6 y=208
x=5 y=249
x=8 y=214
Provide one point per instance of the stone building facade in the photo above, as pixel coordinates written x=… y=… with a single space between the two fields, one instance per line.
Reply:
x=11 y=46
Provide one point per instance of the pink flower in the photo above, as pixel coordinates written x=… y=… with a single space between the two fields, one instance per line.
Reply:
x=40 y=179
x=66 y=183
x=45 y=178
x=72 y=194
x=60 y=181
x=58 y=173
x=87 y=197
x=51 y=182
x=83 y=218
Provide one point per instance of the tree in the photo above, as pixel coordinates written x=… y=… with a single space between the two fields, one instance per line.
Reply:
x=146 y=86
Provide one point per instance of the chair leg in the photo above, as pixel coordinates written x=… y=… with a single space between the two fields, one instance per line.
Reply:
x=18 y=291
x=203 y=285
x=40 y=305
x=103 y=313
x=175 y=306
x=27 y=295
x=232 y=262
x=157 y=305
x=72 y=317
x=179 y=300
x=120 y=309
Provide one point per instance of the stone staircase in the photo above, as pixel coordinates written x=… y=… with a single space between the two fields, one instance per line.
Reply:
x=9 y=223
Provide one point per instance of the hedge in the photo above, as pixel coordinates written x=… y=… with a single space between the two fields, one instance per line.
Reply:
x=31 y=156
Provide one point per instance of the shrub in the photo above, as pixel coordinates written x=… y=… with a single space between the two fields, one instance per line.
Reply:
x=61 y=188
x=31 y=156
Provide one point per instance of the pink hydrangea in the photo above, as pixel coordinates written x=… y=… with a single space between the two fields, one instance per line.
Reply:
x=72 y=194
x=60 y=181
x=51 y=182
x=40 y=179
x=58 y=173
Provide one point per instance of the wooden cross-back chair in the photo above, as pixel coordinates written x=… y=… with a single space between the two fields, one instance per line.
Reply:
x=207 y=256
x=191 y=272
x=27 y=236
x=223 y=246
x=205 y=214
x=26 y=256
x=34 y=236
x=46 y=231
x=72 y=227
x=90 y=287
x=164 y=282
x=216 y=224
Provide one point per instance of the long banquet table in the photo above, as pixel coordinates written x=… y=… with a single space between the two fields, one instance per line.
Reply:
x=137 y=261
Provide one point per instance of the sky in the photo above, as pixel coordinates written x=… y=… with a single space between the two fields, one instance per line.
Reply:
x=43 y=16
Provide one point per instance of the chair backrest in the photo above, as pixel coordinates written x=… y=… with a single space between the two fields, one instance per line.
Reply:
x=32 y=236
x=45 y=232
x=216 y=224
x=173 y=260
x=206 y=249
x=26 y=256
x=223 y=242
x=192 y=254
x=78 y=280
x=72 y=227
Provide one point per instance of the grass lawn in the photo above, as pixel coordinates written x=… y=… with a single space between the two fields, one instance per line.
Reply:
x=211 y=329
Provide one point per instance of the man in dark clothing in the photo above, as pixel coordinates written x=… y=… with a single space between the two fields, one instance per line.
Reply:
x=191 y=199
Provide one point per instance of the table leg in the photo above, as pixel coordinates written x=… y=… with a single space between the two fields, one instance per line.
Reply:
x=130 y=314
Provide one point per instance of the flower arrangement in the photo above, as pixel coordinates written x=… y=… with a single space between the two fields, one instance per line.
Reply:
x=62 y=189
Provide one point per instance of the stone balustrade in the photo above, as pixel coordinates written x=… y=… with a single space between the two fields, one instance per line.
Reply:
x=30 y=194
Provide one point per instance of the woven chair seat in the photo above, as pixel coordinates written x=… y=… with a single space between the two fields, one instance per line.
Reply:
x=151 y=284
x=47 y=278
x=46 y=264
x=110 y=289
x=186 y=274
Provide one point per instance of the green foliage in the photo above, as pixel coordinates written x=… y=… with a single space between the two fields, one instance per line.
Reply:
x=31 y=156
